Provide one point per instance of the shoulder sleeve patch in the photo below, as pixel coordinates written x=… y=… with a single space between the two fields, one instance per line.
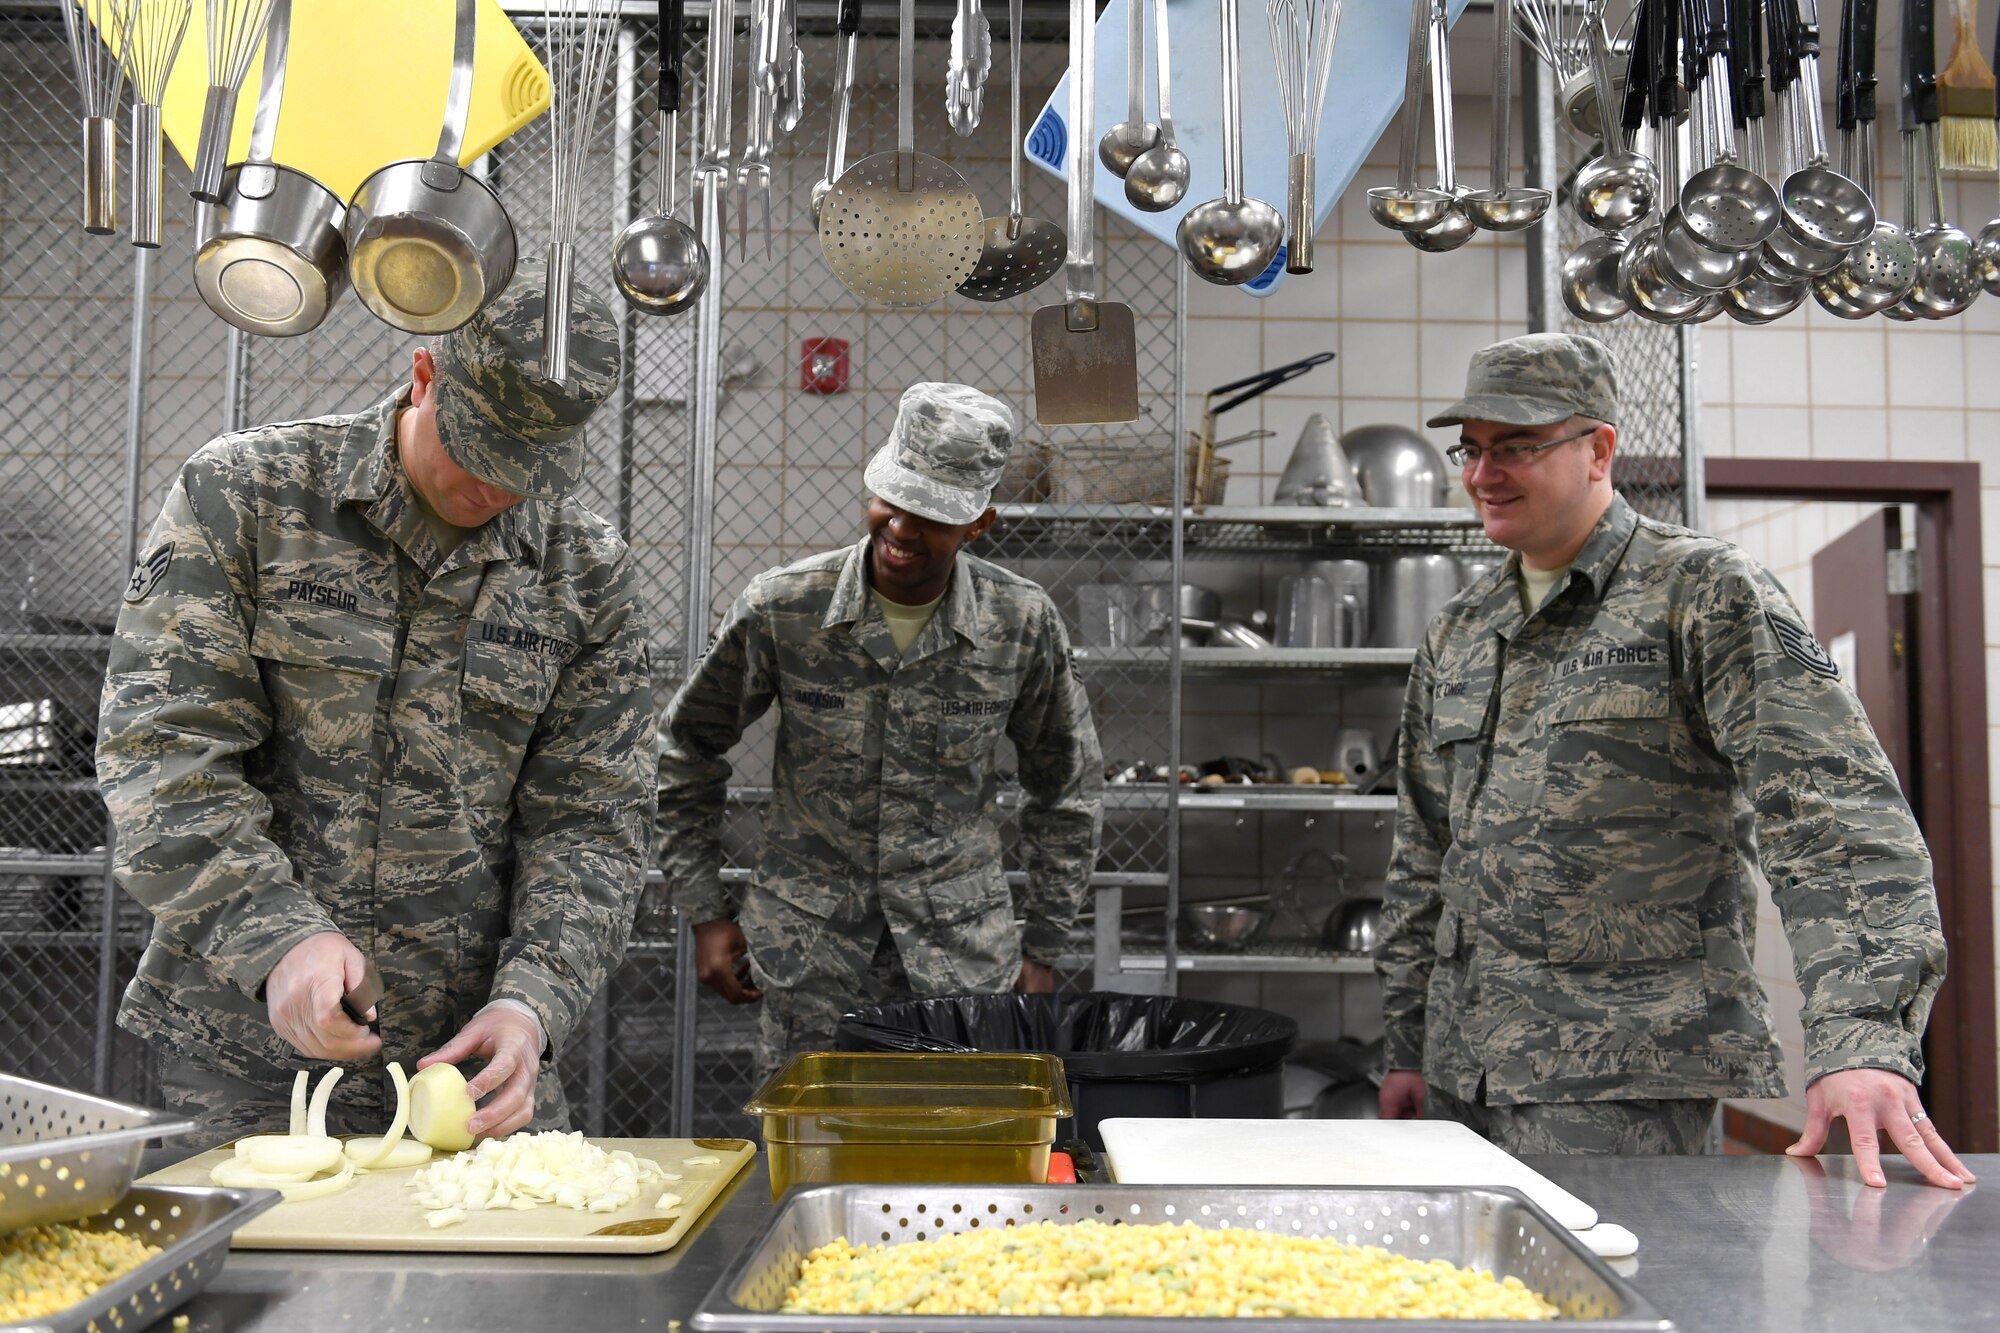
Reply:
x=1800 y=645
x=146 y=574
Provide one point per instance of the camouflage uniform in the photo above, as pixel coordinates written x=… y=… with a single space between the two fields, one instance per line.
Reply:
x=881 y=817
x=1585 y=793
x=313 y=720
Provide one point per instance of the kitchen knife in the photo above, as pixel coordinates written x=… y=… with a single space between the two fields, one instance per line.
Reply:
x=364 y=996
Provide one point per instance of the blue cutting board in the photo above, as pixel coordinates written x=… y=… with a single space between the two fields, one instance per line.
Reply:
x=1363 y=91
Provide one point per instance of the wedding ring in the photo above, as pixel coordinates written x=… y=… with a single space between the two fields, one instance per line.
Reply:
x=1919 y=1117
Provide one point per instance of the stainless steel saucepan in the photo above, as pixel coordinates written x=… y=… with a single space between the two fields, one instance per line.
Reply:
x=428 y=244
x=274 y=260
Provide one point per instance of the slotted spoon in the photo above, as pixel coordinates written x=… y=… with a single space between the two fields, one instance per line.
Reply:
x=1019 y=253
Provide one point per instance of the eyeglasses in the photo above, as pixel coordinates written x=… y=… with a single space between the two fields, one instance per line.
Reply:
x=1506 y=455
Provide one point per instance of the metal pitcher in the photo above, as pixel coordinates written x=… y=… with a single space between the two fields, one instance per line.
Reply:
x=1325 y=605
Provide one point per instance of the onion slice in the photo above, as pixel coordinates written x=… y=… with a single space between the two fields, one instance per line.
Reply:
x=299 y=1155
x=240 y=1173
x=397 y=1124
x=322 y=1095
x=403 y=1153
x=299 y=1103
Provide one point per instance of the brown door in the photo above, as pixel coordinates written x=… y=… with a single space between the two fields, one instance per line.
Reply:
x=1868 y=629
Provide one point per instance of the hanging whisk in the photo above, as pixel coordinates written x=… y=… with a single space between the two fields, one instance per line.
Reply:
x=1553 y=30
x=1558 y=31
x=582 y=37
x=101 y=80
x=156 y=31
x=1302 y=34
x=234 y=29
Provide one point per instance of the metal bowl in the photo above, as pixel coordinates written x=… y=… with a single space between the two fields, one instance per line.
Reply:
x=1222 y=926
x=1397 y=467
x=1354 y=925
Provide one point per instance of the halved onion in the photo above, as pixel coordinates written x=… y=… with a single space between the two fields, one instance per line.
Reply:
x=440 y=1108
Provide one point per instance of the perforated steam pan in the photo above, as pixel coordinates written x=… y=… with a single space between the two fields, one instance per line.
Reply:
x=191 y=1226
x=1498 y=1230
x=65 y=1155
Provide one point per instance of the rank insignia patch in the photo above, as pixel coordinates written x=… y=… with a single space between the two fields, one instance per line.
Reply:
x=146 y=575
x=1802 y=647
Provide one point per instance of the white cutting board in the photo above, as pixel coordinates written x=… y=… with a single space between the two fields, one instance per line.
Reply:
x=1420 y=1153
x=1364 y=88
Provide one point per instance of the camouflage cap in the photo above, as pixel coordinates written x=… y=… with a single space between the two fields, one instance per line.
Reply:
x=945 y=454
x=498 y=417
x=1537 y=379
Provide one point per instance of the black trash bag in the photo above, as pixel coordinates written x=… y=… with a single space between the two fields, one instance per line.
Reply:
x=1101 y=1036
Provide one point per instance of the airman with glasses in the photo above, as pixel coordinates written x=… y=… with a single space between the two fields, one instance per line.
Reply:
x=1566 y=936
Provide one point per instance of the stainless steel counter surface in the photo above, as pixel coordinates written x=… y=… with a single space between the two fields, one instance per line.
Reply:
x=1725 y=1244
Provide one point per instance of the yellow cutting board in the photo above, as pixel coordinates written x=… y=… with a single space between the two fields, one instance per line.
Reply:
x=364 y=86
x=376 y=1212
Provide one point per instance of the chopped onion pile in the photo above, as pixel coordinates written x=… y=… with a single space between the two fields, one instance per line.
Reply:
x=528 y=1170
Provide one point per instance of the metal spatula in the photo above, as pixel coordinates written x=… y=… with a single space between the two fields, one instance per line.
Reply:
x=1086 y=350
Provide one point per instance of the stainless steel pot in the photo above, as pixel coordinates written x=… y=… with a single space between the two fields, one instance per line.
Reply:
x=427 y=244
x=1156 y=605
x=1396 y=467
x=1409 y=591
x=1472 y=568
x=273 y=261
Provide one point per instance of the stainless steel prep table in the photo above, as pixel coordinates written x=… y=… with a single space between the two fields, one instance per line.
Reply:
x=1725 y=1244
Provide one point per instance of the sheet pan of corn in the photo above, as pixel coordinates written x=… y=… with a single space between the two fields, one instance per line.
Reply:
x=984 y=1258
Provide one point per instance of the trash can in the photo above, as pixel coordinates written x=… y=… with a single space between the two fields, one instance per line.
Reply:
x=1124 y=1055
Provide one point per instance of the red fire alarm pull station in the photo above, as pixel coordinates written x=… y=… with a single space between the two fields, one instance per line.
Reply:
x=823 y=365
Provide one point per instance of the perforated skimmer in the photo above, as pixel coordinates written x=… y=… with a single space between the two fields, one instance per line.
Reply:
x=1018 y=254
x=902 y=227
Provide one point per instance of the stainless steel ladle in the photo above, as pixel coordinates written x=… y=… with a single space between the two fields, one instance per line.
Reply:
x=1503 y=207
x=1616 y=189
x=1456 y=227
x=1404 y=207
x=1158 y=179
x=658 y=262
x=1232 y=239
x=848 y=27
x=1124 y=142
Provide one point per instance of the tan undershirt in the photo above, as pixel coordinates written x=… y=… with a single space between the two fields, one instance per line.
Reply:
x=1535 y=586
x=446 y=535
x=906 y=622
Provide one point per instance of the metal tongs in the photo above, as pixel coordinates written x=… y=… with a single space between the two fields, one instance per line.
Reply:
x=771 y=55
x=971 y=60
x=713 y=107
